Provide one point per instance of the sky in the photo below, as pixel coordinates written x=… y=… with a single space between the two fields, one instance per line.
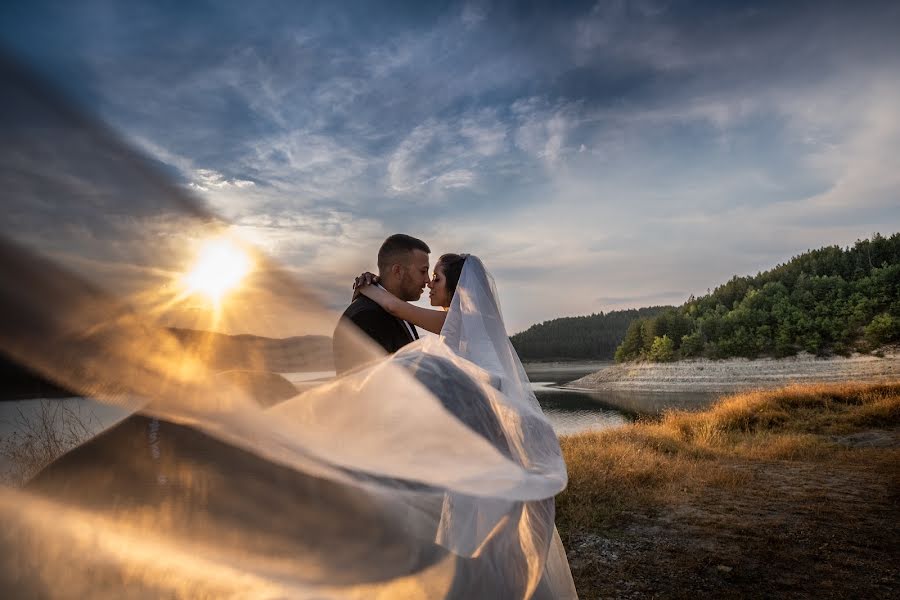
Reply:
x=596 y=156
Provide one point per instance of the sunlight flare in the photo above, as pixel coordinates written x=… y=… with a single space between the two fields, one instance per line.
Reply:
x=220 y=267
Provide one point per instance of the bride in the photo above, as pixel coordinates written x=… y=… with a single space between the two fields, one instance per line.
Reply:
x=470 y=323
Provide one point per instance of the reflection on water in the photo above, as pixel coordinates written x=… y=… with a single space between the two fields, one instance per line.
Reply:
x=570 y=411
x=573 y=411
x=637 y=404
x=305 y=377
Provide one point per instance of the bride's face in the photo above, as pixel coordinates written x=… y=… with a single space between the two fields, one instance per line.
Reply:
x=438 y=285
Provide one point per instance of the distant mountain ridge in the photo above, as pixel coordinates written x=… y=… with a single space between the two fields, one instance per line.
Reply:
x=590 y=337
x=256 y=353
x=221 y=352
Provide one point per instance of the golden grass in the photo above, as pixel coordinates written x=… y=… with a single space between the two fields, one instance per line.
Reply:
x=647 y=464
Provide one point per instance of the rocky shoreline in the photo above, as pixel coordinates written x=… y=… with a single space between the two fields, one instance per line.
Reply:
x=739 y=373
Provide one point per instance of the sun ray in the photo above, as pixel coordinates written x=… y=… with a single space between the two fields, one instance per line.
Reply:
x=220 y=268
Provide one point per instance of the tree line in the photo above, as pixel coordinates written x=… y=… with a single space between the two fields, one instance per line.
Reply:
x=825 y=301
x=592 y=337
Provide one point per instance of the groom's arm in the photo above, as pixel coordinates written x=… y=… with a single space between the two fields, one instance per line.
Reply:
x=426 y=318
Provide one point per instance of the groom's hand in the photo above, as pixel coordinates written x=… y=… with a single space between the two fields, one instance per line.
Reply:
x=361 y=281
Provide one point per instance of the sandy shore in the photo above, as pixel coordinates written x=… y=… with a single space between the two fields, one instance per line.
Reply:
x=739 y=373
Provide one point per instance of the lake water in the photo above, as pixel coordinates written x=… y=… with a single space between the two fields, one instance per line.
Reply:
x=569 y=411
x=575 y=411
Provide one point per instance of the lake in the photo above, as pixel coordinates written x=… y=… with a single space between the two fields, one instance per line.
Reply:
x=575 y=411
x=569 y=411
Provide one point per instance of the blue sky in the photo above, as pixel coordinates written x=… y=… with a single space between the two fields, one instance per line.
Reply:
x=597 y=156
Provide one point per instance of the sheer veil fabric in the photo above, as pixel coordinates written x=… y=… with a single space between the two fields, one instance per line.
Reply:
x=427 y=474
x=475 y=331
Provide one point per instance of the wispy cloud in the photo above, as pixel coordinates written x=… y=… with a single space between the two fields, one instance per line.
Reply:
x=440 y=155
x=593 y=154
x=209 y=179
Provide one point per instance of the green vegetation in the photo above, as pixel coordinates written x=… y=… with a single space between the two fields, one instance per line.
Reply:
x=591 y=337
x=825 y=301
x=662 y=349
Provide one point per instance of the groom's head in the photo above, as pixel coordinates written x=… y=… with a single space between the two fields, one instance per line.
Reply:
x=403 y=266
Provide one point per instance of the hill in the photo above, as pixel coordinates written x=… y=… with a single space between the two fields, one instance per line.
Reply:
x=589 y=337
x=251 y=352
x=825 y=301
x=246 y=353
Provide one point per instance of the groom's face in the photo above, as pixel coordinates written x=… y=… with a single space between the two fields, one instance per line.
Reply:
x=414 y=276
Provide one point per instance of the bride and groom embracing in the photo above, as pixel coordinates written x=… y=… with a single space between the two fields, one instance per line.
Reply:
x=380 y=306
x=506 y=544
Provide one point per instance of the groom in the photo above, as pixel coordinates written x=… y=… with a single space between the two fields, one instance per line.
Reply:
x=403 y=271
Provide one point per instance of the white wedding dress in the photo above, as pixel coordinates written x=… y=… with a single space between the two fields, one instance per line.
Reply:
x=427 y=474
x=474 y=330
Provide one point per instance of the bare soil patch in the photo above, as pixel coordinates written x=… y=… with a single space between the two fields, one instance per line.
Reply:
x=799 y=530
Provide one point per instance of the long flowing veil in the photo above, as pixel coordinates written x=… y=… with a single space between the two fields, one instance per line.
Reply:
x=474 y=329
x=428 y=474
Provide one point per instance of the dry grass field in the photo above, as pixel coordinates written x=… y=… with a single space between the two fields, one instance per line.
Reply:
x=792 y=492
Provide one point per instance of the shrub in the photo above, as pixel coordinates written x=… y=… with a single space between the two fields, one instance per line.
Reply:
x=662 y=350
x=39 y=437
x=692 y=344
x=883 y=328
x=842 y=349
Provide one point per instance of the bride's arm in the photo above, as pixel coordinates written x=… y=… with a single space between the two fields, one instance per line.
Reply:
x=432 y=320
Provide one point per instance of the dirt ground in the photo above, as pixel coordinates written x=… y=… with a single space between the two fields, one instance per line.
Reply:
x=797 y=529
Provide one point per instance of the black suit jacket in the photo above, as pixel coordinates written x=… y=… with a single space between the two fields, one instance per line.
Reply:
x=387 y=330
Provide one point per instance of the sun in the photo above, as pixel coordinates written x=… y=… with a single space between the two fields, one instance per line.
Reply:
x=220 y=267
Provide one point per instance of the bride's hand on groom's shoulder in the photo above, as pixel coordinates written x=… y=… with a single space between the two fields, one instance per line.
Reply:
x=363 y=280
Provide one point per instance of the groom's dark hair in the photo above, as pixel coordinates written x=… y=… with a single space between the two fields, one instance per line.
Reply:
x=395 y=247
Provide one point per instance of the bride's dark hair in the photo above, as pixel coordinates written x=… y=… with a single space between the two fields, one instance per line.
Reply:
x=453 y=266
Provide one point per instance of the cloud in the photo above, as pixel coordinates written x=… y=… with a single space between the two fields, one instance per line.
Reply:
x=541 y=129
x=303 y=162
x=440 y=155
x=207 y=179
x=473 y=14
x=592 y=154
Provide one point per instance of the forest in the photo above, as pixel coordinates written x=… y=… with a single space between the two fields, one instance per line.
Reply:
x=825 y=301
x=592 y=337
x=828 y=301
